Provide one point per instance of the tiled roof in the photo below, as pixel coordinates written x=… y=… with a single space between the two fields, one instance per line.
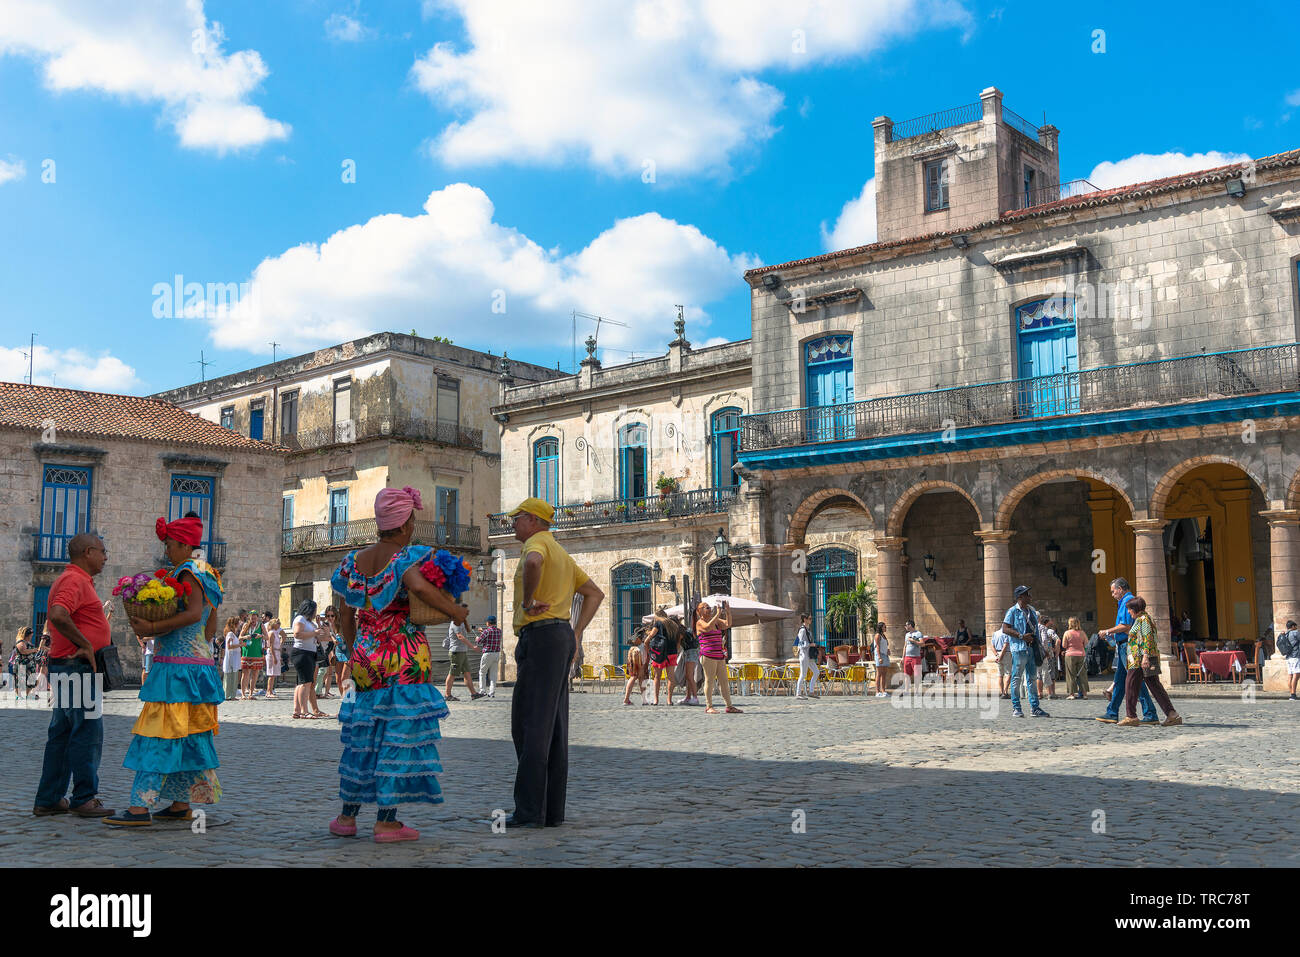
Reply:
x=1084 y=201
x=103 y=414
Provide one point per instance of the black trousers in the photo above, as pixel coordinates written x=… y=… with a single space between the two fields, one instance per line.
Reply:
x=539 y=721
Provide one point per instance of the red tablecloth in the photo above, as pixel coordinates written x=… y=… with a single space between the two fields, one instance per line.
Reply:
x=1220 y=663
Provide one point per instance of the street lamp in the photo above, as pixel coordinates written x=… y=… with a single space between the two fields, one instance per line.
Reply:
x=721 y=547
x=928 y=561
x=1053 y=553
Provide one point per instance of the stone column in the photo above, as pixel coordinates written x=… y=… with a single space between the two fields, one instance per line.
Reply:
x=1284 y=563
x=891 y=600
x=997 y=597
x=1153 y=584
x=765 y=645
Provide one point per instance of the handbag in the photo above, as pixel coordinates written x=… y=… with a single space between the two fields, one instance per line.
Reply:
x=1152 y=670
x=108 y=664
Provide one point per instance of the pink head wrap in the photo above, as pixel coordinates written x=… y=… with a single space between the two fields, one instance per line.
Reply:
x=393 y=506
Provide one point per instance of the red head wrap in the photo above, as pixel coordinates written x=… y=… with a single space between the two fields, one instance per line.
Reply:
x=187 y=531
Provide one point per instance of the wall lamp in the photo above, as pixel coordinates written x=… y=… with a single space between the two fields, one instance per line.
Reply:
x=771 y=281
x=1054 y=553
x=657 y=575
x=979 y=551
x=928 y=561
x=961 y=242
x=502 y=417
x=1236 y=188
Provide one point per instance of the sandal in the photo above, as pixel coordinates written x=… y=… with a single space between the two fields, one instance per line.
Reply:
x=299 y=714
x=731 y=710
x=321 y=714
x=339 y=829
x=711 y=711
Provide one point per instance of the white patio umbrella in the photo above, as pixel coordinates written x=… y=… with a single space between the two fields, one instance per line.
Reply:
x=743 y=610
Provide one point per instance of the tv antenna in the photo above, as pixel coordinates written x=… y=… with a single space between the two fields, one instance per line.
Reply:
x=274 y=346
x=30 y=356
x=596 y=335
x=202 y=362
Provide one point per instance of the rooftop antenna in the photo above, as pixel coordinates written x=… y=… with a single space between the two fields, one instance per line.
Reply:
x=203 y=363
x=30 y=355
x=273 y=348
x=597 y=320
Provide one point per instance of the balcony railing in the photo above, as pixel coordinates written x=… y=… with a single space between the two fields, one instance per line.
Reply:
x=51 y=549
x=214 y=553
x=1019 y=123
x=364 y=531
x=704 y=501
x=1138 y=385
x=1050 y=194
x=920 y=125
x=396 y=427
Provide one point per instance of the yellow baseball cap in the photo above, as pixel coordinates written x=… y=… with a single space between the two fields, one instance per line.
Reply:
x=535 y=506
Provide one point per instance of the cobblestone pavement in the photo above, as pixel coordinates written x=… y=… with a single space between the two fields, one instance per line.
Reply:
x=875 y=783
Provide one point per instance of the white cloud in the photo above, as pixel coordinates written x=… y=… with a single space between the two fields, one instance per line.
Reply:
x=155 y=51
x=11 y=169
x=856 y=224
x=1144 y=167
x=346 y=29
x=69 y=369
x=443 y=270
x=1293 y=98
x=616 y=83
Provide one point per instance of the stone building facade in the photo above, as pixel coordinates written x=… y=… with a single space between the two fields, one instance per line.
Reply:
x=389 y=410
x=85 y=461
x=1065 y=387
x=596 y=445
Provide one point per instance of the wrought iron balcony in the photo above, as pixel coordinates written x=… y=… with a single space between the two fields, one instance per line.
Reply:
x=50 y=549
x=1138 y=385
x=394 y=427
x=920 y=125
x=704 y=501
x=214 y=553
x=1040 y=195
x=365 y=531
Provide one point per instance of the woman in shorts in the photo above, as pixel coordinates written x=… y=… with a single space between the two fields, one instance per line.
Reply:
x=661 y=639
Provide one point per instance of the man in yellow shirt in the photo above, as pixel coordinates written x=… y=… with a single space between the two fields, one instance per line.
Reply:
x=545 y=583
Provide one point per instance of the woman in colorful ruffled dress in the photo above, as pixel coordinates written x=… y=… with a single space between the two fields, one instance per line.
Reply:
x=172 y=751
x=390 y=724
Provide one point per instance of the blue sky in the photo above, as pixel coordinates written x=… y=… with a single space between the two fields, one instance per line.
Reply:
x=516 y=161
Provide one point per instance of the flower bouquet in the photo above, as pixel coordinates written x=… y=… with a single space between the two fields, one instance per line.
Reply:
x=446 y=572
x=153 y=598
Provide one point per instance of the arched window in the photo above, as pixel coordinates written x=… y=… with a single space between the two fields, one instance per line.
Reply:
x=1048 y=346
x=632 y=602
x=832 y=571
x=546 y=470
x=828 y=378
x=633 y=460
x=725 y=428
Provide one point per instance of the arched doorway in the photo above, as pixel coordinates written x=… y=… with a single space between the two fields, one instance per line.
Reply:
x=1217 y=552
x=1082 y=521
x=831 y=571
x=939 y=521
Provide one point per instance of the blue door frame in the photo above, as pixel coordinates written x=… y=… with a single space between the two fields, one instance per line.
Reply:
x=65 y=509
x=546 y=470
x=193 y=493
x=725 y=429
x=632 y=602
x=40 y=605
x=1048 y=348
x=338 y=516
x=633 y=461
x=828 y=382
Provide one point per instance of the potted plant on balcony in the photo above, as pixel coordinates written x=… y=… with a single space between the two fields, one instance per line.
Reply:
x=667 y=484
x=620 y=507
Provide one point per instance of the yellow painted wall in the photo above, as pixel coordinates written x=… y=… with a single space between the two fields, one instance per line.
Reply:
x=1115 y=541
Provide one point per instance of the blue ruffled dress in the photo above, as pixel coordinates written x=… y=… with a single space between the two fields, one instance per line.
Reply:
x=390 y=725
x=172 y=751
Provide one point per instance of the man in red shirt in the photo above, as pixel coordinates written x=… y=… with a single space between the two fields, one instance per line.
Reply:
x=76 y=735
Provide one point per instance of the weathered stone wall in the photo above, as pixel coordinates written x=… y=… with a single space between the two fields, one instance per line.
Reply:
x=1219 y=274
x=130 y=488
x=943 y=524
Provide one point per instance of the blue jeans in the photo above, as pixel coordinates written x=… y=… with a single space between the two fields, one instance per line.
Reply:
x=1022 y=663
x=73 y=745
x=1117 y=696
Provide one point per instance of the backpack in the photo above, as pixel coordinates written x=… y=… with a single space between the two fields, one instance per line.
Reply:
x=659 y=648
x=1286 y=643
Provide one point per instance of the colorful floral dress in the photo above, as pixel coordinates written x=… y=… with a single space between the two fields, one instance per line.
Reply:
x=390 y=725
x=172 y=752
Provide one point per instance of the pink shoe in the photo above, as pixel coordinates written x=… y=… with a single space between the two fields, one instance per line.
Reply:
x=403 y=834
x=342 y=830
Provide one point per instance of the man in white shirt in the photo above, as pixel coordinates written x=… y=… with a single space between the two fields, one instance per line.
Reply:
x=457 y=644
x=998 y=642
